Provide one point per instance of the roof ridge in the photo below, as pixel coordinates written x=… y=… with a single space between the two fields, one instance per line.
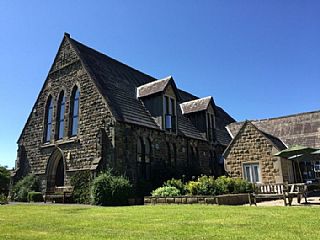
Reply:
x=113 y=59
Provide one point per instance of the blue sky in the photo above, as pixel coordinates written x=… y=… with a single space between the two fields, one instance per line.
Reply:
x=258 y=59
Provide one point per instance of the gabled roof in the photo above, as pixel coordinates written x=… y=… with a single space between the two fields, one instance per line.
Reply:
x=118 y=82
x=197 y=105
x=156 y=87
x=277 y=143
x=297 y=129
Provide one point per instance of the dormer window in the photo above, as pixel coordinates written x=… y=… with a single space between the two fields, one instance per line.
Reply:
x=201 y=113
x=169 y=109
x=160 y=99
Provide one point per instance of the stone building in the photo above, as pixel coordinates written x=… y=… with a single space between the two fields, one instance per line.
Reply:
x=94 y=112
x=250 y=153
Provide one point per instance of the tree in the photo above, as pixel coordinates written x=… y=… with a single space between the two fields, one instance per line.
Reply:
x=4 y=180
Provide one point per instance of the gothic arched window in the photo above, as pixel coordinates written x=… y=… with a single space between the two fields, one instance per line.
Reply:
x=60 y=116
x=74 y=110
x=144 y=154
x=48 y=120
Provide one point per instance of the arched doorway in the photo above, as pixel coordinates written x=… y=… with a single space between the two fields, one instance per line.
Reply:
x=55 y=170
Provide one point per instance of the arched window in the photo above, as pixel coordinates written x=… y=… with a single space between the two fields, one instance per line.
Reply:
x=74 y=110
x=140 y=150
x=144 y=154
x=168 y=159
x=147 y=150
x=148 y=158
x=174 y=156
x=48 y=119
x=60 y=116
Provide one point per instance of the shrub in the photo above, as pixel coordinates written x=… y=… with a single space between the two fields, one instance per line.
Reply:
x=108 y=189
x=27 y=184
x=242 y=186
x=81 y=186
x=4 y=180
x=166 y=192
x=204 y=185
x=224 y=185
x=232 y=185
x=176 y=183
x=35 y=197
x=3 y=198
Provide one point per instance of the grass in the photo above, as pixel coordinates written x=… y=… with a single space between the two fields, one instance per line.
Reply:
x=28 y=221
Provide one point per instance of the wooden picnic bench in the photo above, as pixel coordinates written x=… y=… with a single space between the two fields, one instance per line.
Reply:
x=60 y=194
x=276 y=191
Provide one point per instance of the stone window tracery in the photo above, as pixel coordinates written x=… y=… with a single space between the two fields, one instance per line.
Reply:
x=74 y=110
x=48 y=119
x=60 y=116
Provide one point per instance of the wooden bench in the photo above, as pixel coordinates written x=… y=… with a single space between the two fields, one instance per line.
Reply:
x=60 y=193
x=299 y=190
x=272 y=191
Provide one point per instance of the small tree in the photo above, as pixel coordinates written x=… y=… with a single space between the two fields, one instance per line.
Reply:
x=29 y=183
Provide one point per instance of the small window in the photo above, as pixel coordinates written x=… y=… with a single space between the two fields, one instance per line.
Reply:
x=251 y=172
x=48 y=120
x=74 y=111
x=60 y=116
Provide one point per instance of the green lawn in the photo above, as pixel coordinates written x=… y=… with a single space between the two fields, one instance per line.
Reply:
x=30 y=221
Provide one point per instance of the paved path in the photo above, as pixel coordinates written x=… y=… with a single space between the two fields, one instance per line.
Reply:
x=312 y=202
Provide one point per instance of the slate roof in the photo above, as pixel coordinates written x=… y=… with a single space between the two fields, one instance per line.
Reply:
x=196 y=105
x=153 y=87
x=297 y=129
x=276 y=141
x=118 y=83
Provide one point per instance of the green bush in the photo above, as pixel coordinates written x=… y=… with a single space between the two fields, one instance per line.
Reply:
x=81 y=186
x=204 y=185
x=27 y=184
x=35 y=197
x=3 y=199
x=108 y=189
x=242 y=186
x=177 y=183
x=166 y=192
x=4 y=180
x=232 y=185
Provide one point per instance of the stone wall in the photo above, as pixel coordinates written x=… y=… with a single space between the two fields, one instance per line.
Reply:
x=251 y=146
x=228 y=199
x=101 y=141
x=126 y=154
x=79 y=151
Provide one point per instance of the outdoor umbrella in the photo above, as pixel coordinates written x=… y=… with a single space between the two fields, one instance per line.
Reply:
x=295 y=151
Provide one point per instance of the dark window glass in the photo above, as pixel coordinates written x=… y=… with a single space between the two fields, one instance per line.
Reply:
x=48 y=120
x=144 y=153
x=174 y=155
x=75 y=111
x=60 y=116
x=168 y=162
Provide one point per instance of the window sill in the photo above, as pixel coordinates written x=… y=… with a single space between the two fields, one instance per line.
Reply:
x=61 y=142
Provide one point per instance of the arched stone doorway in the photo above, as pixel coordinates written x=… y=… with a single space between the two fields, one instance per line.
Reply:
x=55 y=171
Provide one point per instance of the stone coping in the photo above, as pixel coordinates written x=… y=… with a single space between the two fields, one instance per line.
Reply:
x=227 y=199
